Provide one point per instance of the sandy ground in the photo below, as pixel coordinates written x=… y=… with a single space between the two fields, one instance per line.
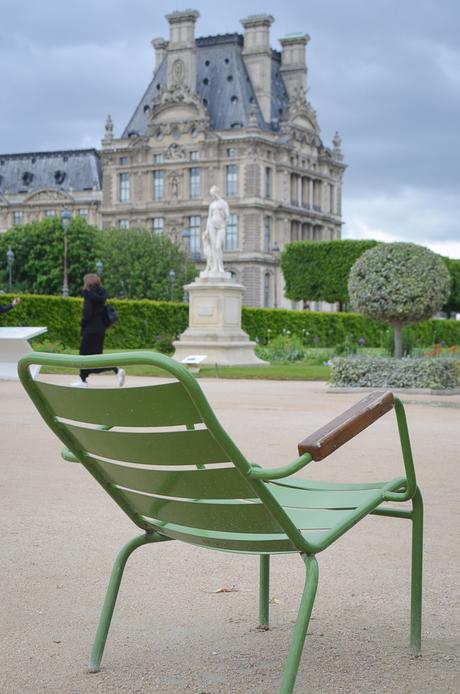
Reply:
x=172 y=632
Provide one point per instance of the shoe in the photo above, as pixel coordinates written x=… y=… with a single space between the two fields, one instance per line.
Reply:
x=121 y=377
x=79 y=384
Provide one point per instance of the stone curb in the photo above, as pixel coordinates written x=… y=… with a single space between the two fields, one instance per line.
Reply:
x=413 y=391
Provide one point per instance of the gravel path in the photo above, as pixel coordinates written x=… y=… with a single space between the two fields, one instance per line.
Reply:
x=172 y=631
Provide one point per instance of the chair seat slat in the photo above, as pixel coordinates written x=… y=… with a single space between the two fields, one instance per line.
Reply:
x=316 y=499
x=231 y=517
x=246 y=543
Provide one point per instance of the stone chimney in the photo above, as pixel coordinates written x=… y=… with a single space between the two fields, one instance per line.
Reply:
x=159 y=46
x=293 y=63
x=257 y=54
x=182 y=49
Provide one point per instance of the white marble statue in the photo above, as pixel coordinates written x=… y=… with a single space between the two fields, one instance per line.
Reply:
x=214 y=236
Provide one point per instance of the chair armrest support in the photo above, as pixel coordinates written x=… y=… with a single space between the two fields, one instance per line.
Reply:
x=411 y=480
x=338 y=431
x=258 y=473
x=67 y=455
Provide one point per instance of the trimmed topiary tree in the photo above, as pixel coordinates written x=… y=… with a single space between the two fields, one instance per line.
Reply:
x=398 y=284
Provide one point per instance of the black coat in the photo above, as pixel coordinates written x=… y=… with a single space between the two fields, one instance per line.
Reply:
x=6 y=307
x=93 y=310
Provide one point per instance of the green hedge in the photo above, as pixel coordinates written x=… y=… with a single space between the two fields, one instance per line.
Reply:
x=319 y=270
x=330 y=329
x=141 y=322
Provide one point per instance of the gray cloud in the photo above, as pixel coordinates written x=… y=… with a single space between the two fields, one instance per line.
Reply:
x=385 y=73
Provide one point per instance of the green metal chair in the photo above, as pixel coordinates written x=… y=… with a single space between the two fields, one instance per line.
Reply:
x=161 y=454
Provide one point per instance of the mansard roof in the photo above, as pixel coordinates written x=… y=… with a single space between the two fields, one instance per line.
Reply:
x=223 y=83
x=67 y=170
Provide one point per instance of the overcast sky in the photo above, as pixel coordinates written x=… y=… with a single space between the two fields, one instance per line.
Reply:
x=384 y=73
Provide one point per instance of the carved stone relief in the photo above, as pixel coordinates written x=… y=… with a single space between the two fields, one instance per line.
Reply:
x=178 y=71
x=175 y=152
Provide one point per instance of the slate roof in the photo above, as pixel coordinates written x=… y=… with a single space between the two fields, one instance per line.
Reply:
x=71 y=170
x=224 y=85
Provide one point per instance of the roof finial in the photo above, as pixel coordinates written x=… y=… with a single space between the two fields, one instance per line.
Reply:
x=109 y=128
x=337 y=149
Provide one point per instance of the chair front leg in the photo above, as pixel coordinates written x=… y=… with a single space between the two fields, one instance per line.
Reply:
x=111 y=596
x=416 y=574
x=301 y=625
x=264 y=591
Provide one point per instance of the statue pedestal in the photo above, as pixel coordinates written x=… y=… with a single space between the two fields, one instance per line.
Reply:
x=215 y=324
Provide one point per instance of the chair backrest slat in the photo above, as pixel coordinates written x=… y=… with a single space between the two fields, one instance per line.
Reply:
x=149 y=406
x=193 y=447
x=217 y=483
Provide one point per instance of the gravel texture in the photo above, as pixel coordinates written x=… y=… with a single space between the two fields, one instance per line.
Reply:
x=174 y=630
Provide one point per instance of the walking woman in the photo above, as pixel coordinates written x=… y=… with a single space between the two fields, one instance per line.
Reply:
x=7 y=307
x=93 y=328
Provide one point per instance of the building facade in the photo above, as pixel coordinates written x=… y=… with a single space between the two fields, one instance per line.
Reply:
x=223 y=110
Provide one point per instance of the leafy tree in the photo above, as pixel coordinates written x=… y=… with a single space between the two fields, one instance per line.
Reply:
x=138 y=262
x=398 y=284
x=39 y=255
x=319 y=270
x=453 y=303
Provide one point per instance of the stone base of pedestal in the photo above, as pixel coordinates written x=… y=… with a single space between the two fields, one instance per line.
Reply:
x=215 y=324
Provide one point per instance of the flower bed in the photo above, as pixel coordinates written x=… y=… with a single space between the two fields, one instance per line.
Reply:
x=438 y=373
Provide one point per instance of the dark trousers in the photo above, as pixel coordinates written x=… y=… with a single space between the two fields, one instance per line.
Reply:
x=93 y=343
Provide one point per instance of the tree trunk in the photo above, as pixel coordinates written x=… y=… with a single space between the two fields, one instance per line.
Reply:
x=398 y=340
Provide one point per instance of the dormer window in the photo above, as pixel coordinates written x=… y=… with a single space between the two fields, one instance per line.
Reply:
x=27 y=178
x=59 y=177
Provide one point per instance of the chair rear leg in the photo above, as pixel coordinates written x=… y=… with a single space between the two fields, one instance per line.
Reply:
x=264 y=591
x=416 y=574
x=301 y=625
x=111 y=597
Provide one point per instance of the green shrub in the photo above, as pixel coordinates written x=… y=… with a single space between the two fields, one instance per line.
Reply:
x=370 y=372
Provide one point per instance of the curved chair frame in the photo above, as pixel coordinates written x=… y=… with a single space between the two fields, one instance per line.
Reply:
x=161 y=454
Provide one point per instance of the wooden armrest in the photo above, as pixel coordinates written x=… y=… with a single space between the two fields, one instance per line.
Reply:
x=347 y=425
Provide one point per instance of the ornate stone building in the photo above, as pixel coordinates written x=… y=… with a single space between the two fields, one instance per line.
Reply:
x=222 y=110
x=42 y=184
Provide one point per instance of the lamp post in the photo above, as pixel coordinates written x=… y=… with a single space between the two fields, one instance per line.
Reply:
x=276 y=250
x=66 y=216
x=99 y=267
x=172 y=279
x=10 y=261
